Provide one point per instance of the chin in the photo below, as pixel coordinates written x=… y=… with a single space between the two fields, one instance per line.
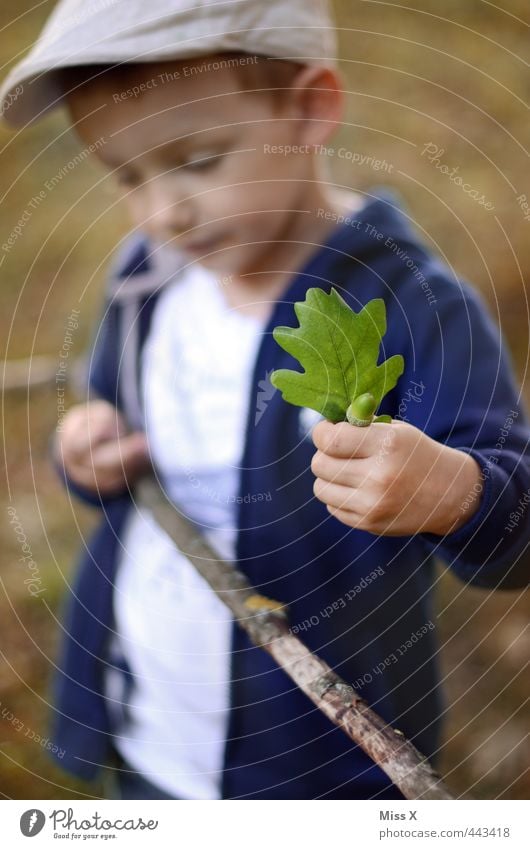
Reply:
x=217 y=264
x=223 y=262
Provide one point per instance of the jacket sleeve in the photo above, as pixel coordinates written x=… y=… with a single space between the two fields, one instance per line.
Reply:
x=99 y=384
x=102 y=365
x=459 y=388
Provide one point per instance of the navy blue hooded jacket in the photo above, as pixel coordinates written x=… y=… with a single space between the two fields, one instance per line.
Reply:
x=362 y=602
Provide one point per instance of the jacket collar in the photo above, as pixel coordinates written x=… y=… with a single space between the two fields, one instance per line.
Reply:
x=142 y=269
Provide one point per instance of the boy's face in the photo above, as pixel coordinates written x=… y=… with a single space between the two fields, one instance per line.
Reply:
x=192 y=157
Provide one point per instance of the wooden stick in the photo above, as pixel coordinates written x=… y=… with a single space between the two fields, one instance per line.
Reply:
x=40 y=371
x=265 y=621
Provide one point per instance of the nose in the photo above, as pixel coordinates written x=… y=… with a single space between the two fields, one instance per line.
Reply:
x=168 y=211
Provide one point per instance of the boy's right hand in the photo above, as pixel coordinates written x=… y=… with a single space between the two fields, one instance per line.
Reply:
x=96 y=450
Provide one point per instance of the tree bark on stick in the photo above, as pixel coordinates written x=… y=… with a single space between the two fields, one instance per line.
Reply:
x=265 y=621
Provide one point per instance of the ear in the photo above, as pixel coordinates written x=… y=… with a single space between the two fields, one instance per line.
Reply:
x=317 y=97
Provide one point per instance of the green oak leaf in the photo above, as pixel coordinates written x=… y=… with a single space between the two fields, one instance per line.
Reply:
x=338 y=349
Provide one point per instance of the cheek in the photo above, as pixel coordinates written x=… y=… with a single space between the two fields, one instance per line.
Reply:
x=259 y=189
x=249 y=209
x=136 y=209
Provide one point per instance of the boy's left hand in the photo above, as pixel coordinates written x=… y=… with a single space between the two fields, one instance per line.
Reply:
x=393 y=479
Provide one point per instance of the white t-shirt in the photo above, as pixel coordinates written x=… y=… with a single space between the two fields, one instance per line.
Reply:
x=173 y=631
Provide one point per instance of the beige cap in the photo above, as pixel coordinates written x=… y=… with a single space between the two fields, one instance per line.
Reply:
x=88 y=32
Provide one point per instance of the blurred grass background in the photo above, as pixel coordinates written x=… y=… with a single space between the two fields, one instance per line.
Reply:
x=453 y=75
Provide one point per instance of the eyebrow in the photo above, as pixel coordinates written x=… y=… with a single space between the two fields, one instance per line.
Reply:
x=183 y=143
x=188 y=138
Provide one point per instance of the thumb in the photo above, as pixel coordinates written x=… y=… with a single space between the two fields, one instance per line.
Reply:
x=130 y=454
x=134 y=452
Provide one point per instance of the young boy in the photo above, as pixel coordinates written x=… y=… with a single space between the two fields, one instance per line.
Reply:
x=216 y=139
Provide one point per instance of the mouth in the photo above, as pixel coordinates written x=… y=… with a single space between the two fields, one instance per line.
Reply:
x=203 y=246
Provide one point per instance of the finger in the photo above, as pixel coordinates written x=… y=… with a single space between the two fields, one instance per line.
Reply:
x=345 y=471
x=77 y=440
x=66 y=456
x=135 y=453
x=347 y=517
x=90 y=425
x=360 y=522
x=342 y=497
x=123 y=455
x=74 y=440
x=105 y=423
x=82 y=476
x=105 y=430
x=346 y=440
x=91 y=474
x=98 y=480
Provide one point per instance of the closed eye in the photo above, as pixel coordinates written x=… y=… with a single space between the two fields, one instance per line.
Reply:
x=203 y=163
x=126 y=178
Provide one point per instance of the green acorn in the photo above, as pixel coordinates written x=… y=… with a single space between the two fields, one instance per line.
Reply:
x=361 y=410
